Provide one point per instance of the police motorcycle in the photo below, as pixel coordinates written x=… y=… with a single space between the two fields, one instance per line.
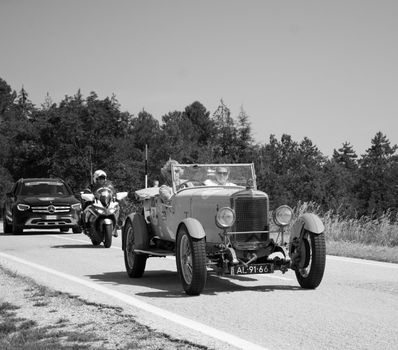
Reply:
x=101 y=216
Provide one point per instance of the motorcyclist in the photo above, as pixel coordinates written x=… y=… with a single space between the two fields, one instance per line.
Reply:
x=99 y=180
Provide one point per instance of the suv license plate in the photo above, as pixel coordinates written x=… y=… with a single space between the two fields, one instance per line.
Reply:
x=252 y=269
x=51 y=217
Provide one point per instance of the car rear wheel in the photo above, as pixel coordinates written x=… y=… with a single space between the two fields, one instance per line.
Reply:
x=136 y=232
x=191 y=262
x=312 y=260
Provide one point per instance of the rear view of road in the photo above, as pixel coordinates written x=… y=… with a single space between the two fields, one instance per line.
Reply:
x=355 y=307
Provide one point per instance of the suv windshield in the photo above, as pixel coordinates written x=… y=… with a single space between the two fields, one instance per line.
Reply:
x=213 y=175
x=43 y=188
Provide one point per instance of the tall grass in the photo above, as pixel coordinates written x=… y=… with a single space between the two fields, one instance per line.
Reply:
x=381 y=231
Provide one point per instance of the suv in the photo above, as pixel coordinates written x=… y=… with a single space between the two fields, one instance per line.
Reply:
x=216 y=219
x=41 y=203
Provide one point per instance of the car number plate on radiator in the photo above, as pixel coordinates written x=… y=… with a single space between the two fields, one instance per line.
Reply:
x=252 y=269
x=51 y=217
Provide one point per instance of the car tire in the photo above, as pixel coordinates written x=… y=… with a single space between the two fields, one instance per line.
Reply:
x=77 y=229
x=7 y=228
x=311 y=267
x=134 y=230
x=191 y=262
x=17 y=230
x=108 y=229
x=95 y=242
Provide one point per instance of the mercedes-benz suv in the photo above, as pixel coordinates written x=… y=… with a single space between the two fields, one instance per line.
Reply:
x=41 y=203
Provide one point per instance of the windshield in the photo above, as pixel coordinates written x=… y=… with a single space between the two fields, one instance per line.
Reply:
x=194 y=175
x=43 y=188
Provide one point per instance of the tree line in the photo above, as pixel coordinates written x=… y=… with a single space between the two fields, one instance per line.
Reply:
x=80 y=134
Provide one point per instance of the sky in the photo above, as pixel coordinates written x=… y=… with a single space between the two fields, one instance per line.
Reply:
x=326 y=70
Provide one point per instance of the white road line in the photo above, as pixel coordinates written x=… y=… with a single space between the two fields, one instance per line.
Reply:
x=183 y=321
x=363 y=262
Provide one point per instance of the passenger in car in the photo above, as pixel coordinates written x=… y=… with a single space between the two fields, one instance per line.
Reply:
x=166 y=190
x=221 y=177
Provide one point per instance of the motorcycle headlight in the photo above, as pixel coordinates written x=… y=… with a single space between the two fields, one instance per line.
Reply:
x=23 y=207
x=283 y=215
x=76 y=206
x=112 y=210
x=225 y=217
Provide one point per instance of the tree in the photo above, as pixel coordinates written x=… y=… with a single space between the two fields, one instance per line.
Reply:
x=225 y=141
x=345 y=156
x=378 y=187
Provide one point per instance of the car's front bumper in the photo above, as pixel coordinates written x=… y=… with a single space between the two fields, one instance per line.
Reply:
x=48 y=221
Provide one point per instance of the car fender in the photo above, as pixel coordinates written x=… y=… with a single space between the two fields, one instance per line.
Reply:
x=308 y=221
x=141 y=242
x=194 y=227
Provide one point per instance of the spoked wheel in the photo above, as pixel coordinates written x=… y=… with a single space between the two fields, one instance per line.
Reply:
x=191 y=262
x=312 y=260
x=108 y=229
x=136 y=233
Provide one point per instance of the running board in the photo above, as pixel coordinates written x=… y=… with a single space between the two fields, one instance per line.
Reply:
x=155 y=252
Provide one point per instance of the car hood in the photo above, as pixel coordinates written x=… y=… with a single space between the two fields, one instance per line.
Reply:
x=46 y=200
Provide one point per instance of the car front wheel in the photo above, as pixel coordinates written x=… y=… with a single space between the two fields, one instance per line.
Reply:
x=7 y=228
x=191 y=262
x=135 y=230
x=311 y=267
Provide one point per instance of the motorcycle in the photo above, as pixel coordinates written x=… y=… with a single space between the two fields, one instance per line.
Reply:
x=100 y=218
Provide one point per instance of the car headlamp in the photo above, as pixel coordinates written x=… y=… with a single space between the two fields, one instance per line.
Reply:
x=283 y=215
x=23 y=207
x=225 y=217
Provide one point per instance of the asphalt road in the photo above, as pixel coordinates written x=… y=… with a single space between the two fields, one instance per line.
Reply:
x=355 y=307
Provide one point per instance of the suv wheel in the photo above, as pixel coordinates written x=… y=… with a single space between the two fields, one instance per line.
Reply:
x=7 y=228
x=17 y=230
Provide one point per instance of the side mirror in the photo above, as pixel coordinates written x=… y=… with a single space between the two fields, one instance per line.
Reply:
x=121 y=195
x=88 y=197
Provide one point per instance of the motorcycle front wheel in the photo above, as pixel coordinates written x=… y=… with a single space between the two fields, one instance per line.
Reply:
x=108 y=229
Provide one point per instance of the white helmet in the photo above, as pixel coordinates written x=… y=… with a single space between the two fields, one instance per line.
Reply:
x=99 y=173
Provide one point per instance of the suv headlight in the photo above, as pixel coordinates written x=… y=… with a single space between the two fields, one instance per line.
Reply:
x=23 y=207
x=225 y=217
x=283 y=215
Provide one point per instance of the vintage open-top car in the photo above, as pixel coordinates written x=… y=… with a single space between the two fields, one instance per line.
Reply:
x=216 y=219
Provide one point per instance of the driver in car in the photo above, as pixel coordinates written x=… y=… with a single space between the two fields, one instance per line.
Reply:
x=221 y=178
x=166 y=190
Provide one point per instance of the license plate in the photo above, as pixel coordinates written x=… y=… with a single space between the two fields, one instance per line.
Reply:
x=252 y=269
x=51 y=217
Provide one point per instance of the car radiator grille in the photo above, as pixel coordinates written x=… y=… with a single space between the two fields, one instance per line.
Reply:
x=51 y=209
x=251 y=215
